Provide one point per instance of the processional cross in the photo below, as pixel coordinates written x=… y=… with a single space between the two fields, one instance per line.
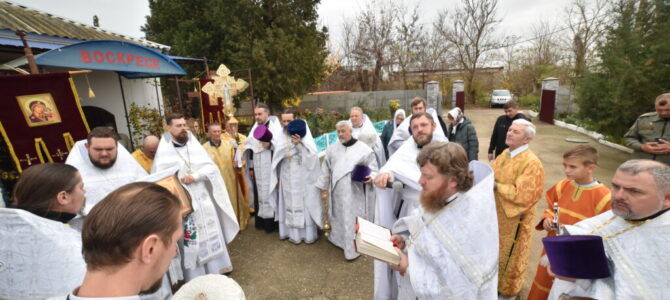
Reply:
x=224 y=86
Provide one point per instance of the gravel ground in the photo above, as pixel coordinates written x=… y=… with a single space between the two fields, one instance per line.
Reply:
x=268 y=268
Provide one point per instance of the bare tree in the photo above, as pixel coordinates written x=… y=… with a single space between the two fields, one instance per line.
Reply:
x=586 y=20
x=509 y=51
x=348 y=43
x=354 y=65
x=543 y=56
x=470 y=31
x=545 y=47
x=372 y=41
x=434 y=52
x=409 y=40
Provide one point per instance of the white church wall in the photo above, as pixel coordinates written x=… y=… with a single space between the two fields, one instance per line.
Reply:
x=105 y=85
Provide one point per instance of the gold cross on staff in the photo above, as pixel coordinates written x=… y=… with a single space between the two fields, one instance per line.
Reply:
x=224 y=87
x=28 y=159
x=60 y=154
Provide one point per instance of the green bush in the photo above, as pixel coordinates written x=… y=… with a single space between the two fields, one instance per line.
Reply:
x=482 y=93
x=570 y=120
x=531 y=101
x=561 y=116
x=483 y=99
x=321 y=121
x=144 y=121
x=378 y=114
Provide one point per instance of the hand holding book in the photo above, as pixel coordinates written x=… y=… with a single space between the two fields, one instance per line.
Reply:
x=403 y=264
x=375 y=241
x=398 y=241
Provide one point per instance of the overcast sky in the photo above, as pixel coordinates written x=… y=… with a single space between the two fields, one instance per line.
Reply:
x=127 y=16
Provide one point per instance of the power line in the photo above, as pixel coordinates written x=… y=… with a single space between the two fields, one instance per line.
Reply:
x=560 y=29
x=549 y=33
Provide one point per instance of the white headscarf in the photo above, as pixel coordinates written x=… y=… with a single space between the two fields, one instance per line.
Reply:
x=399 y=111
x=457 y=114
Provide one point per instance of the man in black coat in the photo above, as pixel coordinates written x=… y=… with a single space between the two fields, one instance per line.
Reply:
x=503 y=122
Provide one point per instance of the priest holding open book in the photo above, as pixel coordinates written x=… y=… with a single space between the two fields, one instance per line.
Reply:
x=403 y=174
x=439 y=256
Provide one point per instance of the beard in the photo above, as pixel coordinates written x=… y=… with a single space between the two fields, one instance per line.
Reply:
x=422 y=141
x=627 y=213
x=343 y=139
x=102 y=165
x=155 y=287
x=434 y=201
x=182 y=138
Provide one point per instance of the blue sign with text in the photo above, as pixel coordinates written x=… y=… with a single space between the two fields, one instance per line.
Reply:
x=130 y=59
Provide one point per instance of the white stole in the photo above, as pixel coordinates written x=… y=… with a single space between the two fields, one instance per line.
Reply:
x=306 y=196
x=100 y=182
x=266 y=183
x=201 y=167
x=445 y=262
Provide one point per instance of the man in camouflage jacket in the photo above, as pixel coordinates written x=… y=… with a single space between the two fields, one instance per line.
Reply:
x=650 y=134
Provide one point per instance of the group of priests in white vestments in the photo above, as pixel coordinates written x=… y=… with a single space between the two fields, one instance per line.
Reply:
x=105 y=166
x=426 y=192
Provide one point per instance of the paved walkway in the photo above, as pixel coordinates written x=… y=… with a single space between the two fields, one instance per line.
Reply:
x=268 y=268
x=549 y=145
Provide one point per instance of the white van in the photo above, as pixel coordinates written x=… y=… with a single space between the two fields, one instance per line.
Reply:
x=500 y=97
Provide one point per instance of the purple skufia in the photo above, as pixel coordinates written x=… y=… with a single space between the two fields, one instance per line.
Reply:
x=577 y=256
x=263 y=134
x=360 y=172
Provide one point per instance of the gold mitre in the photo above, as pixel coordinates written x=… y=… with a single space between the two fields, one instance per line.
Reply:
x=232 y=120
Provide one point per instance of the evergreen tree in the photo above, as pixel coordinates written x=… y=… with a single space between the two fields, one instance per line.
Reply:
x=633 y=67
x=279 y=40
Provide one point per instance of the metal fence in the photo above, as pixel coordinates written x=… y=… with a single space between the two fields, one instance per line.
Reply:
x=344 y=101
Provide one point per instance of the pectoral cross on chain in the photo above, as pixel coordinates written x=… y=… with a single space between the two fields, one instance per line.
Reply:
x=60 y=154
x=28 y=159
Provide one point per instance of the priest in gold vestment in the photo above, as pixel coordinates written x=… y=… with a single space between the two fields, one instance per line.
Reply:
x=232 y=135
x=145 y=154
x=519 y=182
x=222 y=153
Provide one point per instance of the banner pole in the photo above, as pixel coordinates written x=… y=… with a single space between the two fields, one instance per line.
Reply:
x=125 y=110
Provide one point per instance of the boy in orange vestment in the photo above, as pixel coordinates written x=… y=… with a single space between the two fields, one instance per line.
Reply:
x=579 y=197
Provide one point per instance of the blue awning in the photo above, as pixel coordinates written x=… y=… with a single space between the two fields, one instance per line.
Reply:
x=186 y=58
x=128 y=59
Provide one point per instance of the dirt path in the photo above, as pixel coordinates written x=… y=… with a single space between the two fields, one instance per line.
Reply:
x=268 y=268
